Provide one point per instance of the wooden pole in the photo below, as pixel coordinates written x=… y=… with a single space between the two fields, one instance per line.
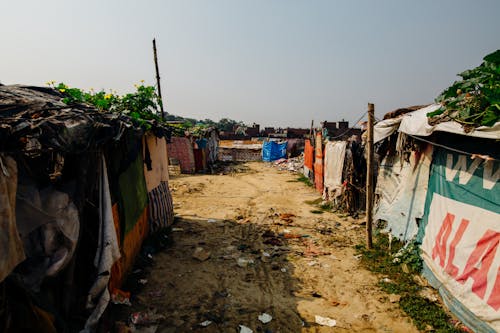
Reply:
x=158 y=80
x=369 y=176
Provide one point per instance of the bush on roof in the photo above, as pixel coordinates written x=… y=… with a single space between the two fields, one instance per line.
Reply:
x=475 y=100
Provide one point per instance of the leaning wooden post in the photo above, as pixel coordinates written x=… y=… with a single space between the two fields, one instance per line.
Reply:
x=158 y=80
x=369 y=176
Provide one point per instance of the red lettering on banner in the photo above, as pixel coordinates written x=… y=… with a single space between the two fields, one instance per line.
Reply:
x=451 y=269
x=439 y=249
x=482 y=256
x=494 y=300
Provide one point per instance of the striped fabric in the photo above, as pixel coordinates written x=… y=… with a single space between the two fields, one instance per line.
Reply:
x=161 y=207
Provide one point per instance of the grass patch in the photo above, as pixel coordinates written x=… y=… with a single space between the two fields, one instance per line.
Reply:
x=305 y=180
x=381 y=260
x=314 y=202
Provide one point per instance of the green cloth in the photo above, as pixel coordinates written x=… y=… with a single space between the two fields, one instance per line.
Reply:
x=134 y=194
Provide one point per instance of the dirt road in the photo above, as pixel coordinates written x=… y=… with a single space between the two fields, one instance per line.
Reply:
x=268 y=252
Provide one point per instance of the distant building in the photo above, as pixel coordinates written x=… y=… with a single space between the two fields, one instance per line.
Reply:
x=339 y=130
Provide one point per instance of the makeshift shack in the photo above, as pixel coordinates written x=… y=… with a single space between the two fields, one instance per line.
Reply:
x=438 y=185
x=74 y=185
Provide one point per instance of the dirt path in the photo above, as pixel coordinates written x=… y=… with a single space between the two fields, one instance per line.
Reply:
x=247 y=223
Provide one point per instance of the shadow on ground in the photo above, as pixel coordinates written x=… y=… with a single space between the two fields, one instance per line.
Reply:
x=247 y=273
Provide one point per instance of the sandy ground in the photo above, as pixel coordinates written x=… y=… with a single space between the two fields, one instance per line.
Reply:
x=247 y=223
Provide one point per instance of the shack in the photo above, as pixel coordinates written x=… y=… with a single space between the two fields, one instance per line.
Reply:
x=80 y=190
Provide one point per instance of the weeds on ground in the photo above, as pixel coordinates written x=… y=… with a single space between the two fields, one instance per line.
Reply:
x=305 y=180
x=392 y=262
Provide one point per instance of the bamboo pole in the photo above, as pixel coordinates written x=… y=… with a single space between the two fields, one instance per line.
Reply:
x=369 y=176
x=158 y=80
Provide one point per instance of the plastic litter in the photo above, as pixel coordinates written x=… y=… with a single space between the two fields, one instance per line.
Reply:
x=211 y=220
x=243 y=262
x=265 y=318
x=201 y=254
x=121 y=297
x=244 y=329
x=325 y=321
x=205 y=323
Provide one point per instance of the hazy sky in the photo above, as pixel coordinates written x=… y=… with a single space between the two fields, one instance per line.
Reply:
x=278 y=63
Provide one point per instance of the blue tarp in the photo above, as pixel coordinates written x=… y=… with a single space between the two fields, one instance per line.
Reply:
x=272 y=151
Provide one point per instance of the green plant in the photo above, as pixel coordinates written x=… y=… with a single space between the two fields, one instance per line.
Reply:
x=386 y=259
x=409 y=255
x=141 y=105
x=474 y=100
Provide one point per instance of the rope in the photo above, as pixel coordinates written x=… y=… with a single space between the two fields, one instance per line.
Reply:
x=452 y=149
x=349 y=129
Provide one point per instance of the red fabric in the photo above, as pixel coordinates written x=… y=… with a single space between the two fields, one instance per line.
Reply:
x=198 y=159
x=318 y=164
x=308 y=155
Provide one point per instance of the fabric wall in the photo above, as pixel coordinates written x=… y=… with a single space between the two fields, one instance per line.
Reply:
x=11 y=246
x=160 y=207
x=155 y=161
x=181 y=149
x=318 y=163
x=333 y=166
x=460 y=236
x=401 y=191
x=308 y=158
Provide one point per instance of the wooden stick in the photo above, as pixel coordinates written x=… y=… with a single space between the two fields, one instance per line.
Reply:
x=369 y=176
x=158 y=80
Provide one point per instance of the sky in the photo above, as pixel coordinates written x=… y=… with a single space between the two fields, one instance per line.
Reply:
x=277 y=63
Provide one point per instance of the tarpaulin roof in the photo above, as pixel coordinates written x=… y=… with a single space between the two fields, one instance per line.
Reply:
x=415 y=123
x=35 y=119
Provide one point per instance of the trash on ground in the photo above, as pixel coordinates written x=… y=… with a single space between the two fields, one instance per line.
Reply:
x=145 y=318
x=211 y=220
x=358 y=256
x=177 y=229
x=143 y=281
x=201 y=254
x=243 y=262
x=265 y=318
x=121 y=297
x=244 y=329
x=205 y=323
x=325 y=321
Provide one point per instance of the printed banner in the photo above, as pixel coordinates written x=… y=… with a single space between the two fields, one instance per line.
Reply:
x=462 y=233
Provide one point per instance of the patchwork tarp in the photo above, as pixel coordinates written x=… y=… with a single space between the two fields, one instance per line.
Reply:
x=11 y=246
x=334 y=164
x=308 y=158
x=272 y=151
x=460 y=237
x=401 y=191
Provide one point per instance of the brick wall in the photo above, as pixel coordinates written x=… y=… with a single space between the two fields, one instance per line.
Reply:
x=240 y=155
x=182 y=150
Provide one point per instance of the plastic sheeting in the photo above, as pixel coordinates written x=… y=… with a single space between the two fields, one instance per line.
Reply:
x=415 y=123
x=308 y=158
x=401 y=190
x=11 y=246
x=334 y=164
x=272 y=151
x=318 y=163
x=108 y=252
x=460 y=236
